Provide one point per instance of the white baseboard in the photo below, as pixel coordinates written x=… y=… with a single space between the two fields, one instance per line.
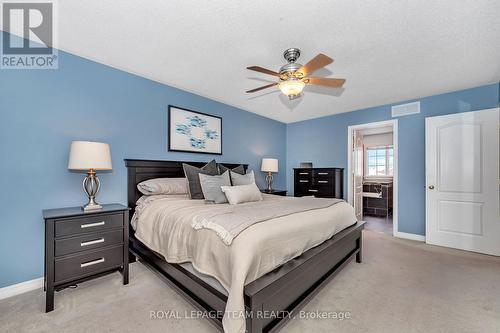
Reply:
x=20 y=288
x=414 y=237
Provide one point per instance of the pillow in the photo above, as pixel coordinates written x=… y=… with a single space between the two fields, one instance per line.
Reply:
x=192 y=173
x=242 y=193
x=246 y=179
x=239 y=169
x=211 y=187
x=158 y=186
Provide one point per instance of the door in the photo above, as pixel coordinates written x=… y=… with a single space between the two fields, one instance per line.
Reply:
x=357 y=157
x=462 y=201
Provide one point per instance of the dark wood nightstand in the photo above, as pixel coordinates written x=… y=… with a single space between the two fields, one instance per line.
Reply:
x=83 y=245
x=275 y=192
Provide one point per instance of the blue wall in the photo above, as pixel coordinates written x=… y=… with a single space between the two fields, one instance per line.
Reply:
x=323 y=141
x=42 y=111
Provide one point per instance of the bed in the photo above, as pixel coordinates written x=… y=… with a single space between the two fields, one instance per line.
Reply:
x=282 y=291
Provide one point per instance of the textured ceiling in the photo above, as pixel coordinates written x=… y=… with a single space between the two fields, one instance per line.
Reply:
x=388 y=51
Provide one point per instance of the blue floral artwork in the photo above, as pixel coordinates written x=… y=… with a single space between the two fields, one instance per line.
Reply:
x=194 y=132
x=196 y=121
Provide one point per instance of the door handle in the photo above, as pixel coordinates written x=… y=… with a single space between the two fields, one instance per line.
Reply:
x=431 y=187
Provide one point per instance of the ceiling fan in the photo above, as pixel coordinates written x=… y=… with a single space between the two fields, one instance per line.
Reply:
x=294 y=76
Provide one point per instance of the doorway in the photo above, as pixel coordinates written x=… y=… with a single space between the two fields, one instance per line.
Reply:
x=373 y=176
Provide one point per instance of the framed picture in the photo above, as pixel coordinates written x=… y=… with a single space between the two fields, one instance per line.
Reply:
x=194 y=132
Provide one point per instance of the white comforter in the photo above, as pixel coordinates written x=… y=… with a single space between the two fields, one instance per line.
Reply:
x=164 y=225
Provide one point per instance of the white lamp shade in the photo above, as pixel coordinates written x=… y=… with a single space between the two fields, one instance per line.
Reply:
x=86 y=155
x=269 y=165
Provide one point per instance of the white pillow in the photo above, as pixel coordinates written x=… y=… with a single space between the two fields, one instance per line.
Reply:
x=245 y=179
x=242 y=193
x=158 y=186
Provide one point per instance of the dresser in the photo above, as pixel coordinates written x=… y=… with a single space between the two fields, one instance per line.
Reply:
x=83 y=245
x=320 y=182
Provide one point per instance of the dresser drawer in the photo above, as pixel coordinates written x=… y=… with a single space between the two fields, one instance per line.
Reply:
x=306 y=183
x=65 y=227
x=304 y=173
x=324 y=174
x=88 y=241
x=87 y=263
x=323 y=182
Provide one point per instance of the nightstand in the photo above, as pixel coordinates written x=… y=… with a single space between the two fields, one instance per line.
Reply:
x=83 y=245
x=275 y=192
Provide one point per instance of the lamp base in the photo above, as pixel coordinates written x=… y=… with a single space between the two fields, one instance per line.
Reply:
x=91 y=207
x=269 y=179
x=91 y=186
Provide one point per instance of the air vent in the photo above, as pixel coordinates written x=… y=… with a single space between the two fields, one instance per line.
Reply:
x=405 y=109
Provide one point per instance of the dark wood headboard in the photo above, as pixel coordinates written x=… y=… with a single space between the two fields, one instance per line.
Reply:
x=141 y=170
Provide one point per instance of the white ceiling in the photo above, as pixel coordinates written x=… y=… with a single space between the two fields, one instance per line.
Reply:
x=387 y=50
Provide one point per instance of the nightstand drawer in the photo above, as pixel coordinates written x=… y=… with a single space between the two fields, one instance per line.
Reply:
x=88 y=263
x=85 y=224
x=88 y=242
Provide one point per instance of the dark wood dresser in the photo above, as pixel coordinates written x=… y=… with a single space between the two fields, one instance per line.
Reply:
x=320 y=182
x=83 y=245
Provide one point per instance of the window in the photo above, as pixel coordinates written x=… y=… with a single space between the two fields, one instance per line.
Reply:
x=379 y=161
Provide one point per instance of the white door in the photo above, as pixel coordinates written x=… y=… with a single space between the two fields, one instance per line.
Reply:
x=357 y=157
x=462 y=201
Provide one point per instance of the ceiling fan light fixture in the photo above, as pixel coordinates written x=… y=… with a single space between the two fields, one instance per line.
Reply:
x=291 y=88
x=293 y=76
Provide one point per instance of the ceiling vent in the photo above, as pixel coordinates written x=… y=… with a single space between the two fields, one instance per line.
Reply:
x=405 y=109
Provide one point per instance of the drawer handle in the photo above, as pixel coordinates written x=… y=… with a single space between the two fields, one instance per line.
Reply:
x=304 y=181
x=95 y=241
x=313 y=190
x=323 y=173
x=90 y=225
x=93 y=262
x=303 y=173
x=323 y=181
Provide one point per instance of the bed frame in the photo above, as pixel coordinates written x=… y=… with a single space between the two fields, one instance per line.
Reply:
x=284 y=291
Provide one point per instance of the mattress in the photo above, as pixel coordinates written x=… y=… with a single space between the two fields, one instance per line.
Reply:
x=164 y=225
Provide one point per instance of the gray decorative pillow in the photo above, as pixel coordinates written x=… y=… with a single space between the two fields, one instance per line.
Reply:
x=192 y=172
x=211 y=187
x=239 y=169
x=246 y=179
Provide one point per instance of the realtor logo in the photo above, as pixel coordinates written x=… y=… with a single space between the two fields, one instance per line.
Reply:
x=28 y=36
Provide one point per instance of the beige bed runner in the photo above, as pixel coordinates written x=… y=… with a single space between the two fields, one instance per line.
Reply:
x=228 y=221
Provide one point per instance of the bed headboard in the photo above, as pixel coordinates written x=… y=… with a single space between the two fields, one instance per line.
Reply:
x=141 y=170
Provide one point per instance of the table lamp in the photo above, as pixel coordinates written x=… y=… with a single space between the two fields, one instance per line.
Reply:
x=269 y=165
x=90 y=156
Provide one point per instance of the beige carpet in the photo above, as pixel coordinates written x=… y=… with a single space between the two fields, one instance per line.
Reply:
x=402 y=286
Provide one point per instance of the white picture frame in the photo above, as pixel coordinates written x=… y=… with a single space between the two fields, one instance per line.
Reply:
x=194 y=132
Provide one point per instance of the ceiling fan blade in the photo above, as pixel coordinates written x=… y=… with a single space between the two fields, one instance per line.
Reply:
x=332 y=83
x=315 y=63
x=263 y=87
x=263 y=70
